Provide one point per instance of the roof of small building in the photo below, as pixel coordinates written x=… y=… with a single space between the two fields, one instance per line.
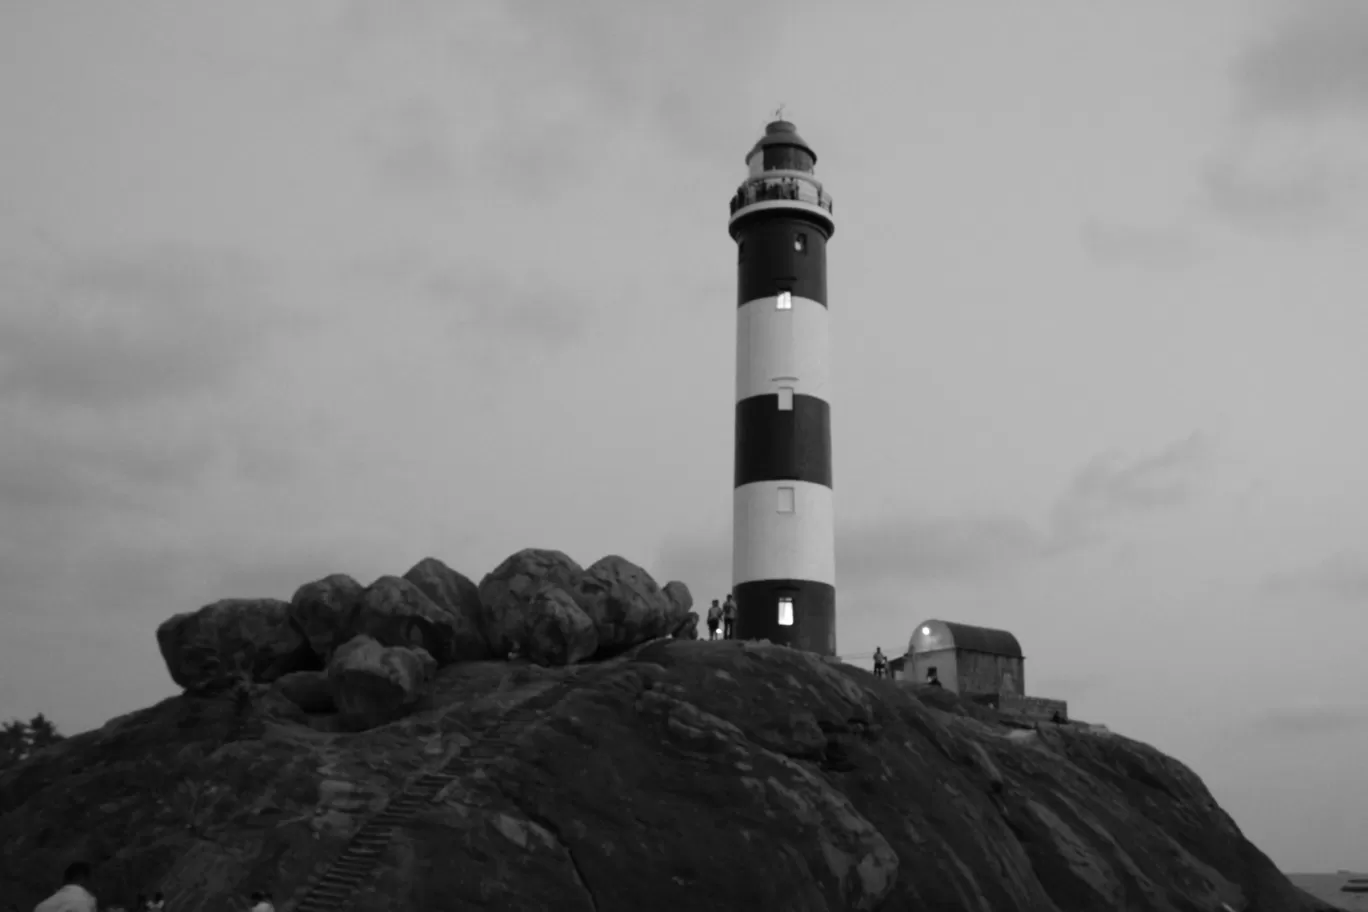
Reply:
x=933 y=635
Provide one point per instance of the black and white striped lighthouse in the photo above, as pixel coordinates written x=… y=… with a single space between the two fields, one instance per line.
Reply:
x=783 y=534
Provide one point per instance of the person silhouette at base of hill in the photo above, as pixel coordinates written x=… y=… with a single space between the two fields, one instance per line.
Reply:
x=75 y=895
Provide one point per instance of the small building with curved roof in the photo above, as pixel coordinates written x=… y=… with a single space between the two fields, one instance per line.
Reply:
x=965 y=659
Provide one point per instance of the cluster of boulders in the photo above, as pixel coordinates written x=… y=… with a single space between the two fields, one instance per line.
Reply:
x=368 y=652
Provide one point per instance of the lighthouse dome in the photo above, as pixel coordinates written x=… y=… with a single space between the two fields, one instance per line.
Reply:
x=781 y=148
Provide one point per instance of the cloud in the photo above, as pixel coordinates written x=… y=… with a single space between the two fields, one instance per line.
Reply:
x=491 y=311
x=1313 y=65
x=111 y=368
x=1299 y=197
x=60 y=463
x=1301 y=101
x=589 y=79
x=918 y=550
x=1108 y=488
x=527 y=307
x=122 y=381
x=1112 y=244
x=127 y=327
x=1312 y=721
x=411 y=144
x=1340 y=576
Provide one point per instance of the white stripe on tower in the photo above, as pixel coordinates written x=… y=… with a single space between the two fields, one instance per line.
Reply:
x=783 y=548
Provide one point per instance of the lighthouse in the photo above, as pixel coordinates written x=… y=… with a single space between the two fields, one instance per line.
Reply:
x=783 y=532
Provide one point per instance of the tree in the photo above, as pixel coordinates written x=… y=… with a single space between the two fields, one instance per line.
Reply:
x=19 y=739
x=14 y=742
x=42 y=732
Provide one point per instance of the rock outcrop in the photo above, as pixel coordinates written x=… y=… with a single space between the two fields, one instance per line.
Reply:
x=536 y=603
x=395 y=612
x=214 y=647
x=507 y=591
x=308 y=690
x=688 y=627
x=556 y=631
x=678 y=605
x=322 y=611
x=372 y=683
x=458 y=597
x=679 y=775
x=625 y=604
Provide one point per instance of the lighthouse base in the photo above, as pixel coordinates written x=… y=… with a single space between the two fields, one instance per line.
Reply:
x=761 y=606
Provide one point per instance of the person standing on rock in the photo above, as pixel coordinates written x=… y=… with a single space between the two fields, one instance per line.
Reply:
x=880 y=663
x=714 y=619
x=74 y=895
x=728 y=618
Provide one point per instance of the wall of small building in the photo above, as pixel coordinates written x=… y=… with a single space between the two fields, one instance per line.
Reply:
x=945 y=663
x=971 y=672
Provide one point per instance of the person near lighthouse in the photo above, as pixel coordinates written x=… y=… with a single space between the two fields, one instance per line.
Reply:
x=728 y=617
x=714 y=619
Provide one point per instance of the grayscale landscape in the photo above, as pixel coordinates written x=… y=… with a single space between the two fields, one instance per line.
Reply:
x=296 y=296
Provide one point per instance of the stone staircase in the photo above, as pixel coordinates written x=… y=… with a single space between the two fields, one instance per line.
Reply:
x=334 y=890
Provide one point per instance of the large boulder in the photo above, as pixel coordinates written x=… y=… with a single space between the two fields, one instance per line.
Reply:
x=625 y=604
x=308 y=690
x=323 y=609
x=678 y=602
x=687 y=629
x=231 y=640
x=460 y=598
x=373 y=684
x=395 y=612
x=555 y=631
x=509 y=588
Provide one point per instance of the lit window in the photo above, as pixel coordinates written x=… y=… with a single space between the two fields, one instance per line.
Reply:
x=784 y=301
x=785 y=398
x=786 y=500
x=785 y=611
x=800 y=242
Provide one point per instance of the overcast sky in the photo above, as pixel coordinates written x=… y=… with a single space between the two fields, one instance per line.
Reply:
x=290 y=289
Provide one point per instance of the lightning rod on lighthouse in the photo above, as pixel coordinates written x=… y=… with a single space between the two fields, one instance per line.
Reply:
x=783 y=533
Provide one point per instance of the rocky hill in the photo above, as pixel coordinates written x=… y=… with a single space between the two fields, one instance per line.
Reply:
x=377 y=746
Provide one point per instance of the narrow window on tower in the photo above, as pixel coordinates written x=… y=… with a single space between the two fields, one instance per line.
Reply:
x=785 y=398
x=786 y=500
x=800 y=242
x=784 y=301
x=740 y=251
x=785 y=611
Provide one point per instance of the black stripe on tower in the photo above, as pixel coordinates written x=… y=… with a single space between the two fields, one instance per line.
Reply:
x=792 y=444
x=778 y=251
x=814 y=614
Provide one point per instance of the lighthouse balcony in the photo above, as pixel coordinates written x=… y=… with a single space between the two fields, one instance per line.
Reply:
x=783 y=192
